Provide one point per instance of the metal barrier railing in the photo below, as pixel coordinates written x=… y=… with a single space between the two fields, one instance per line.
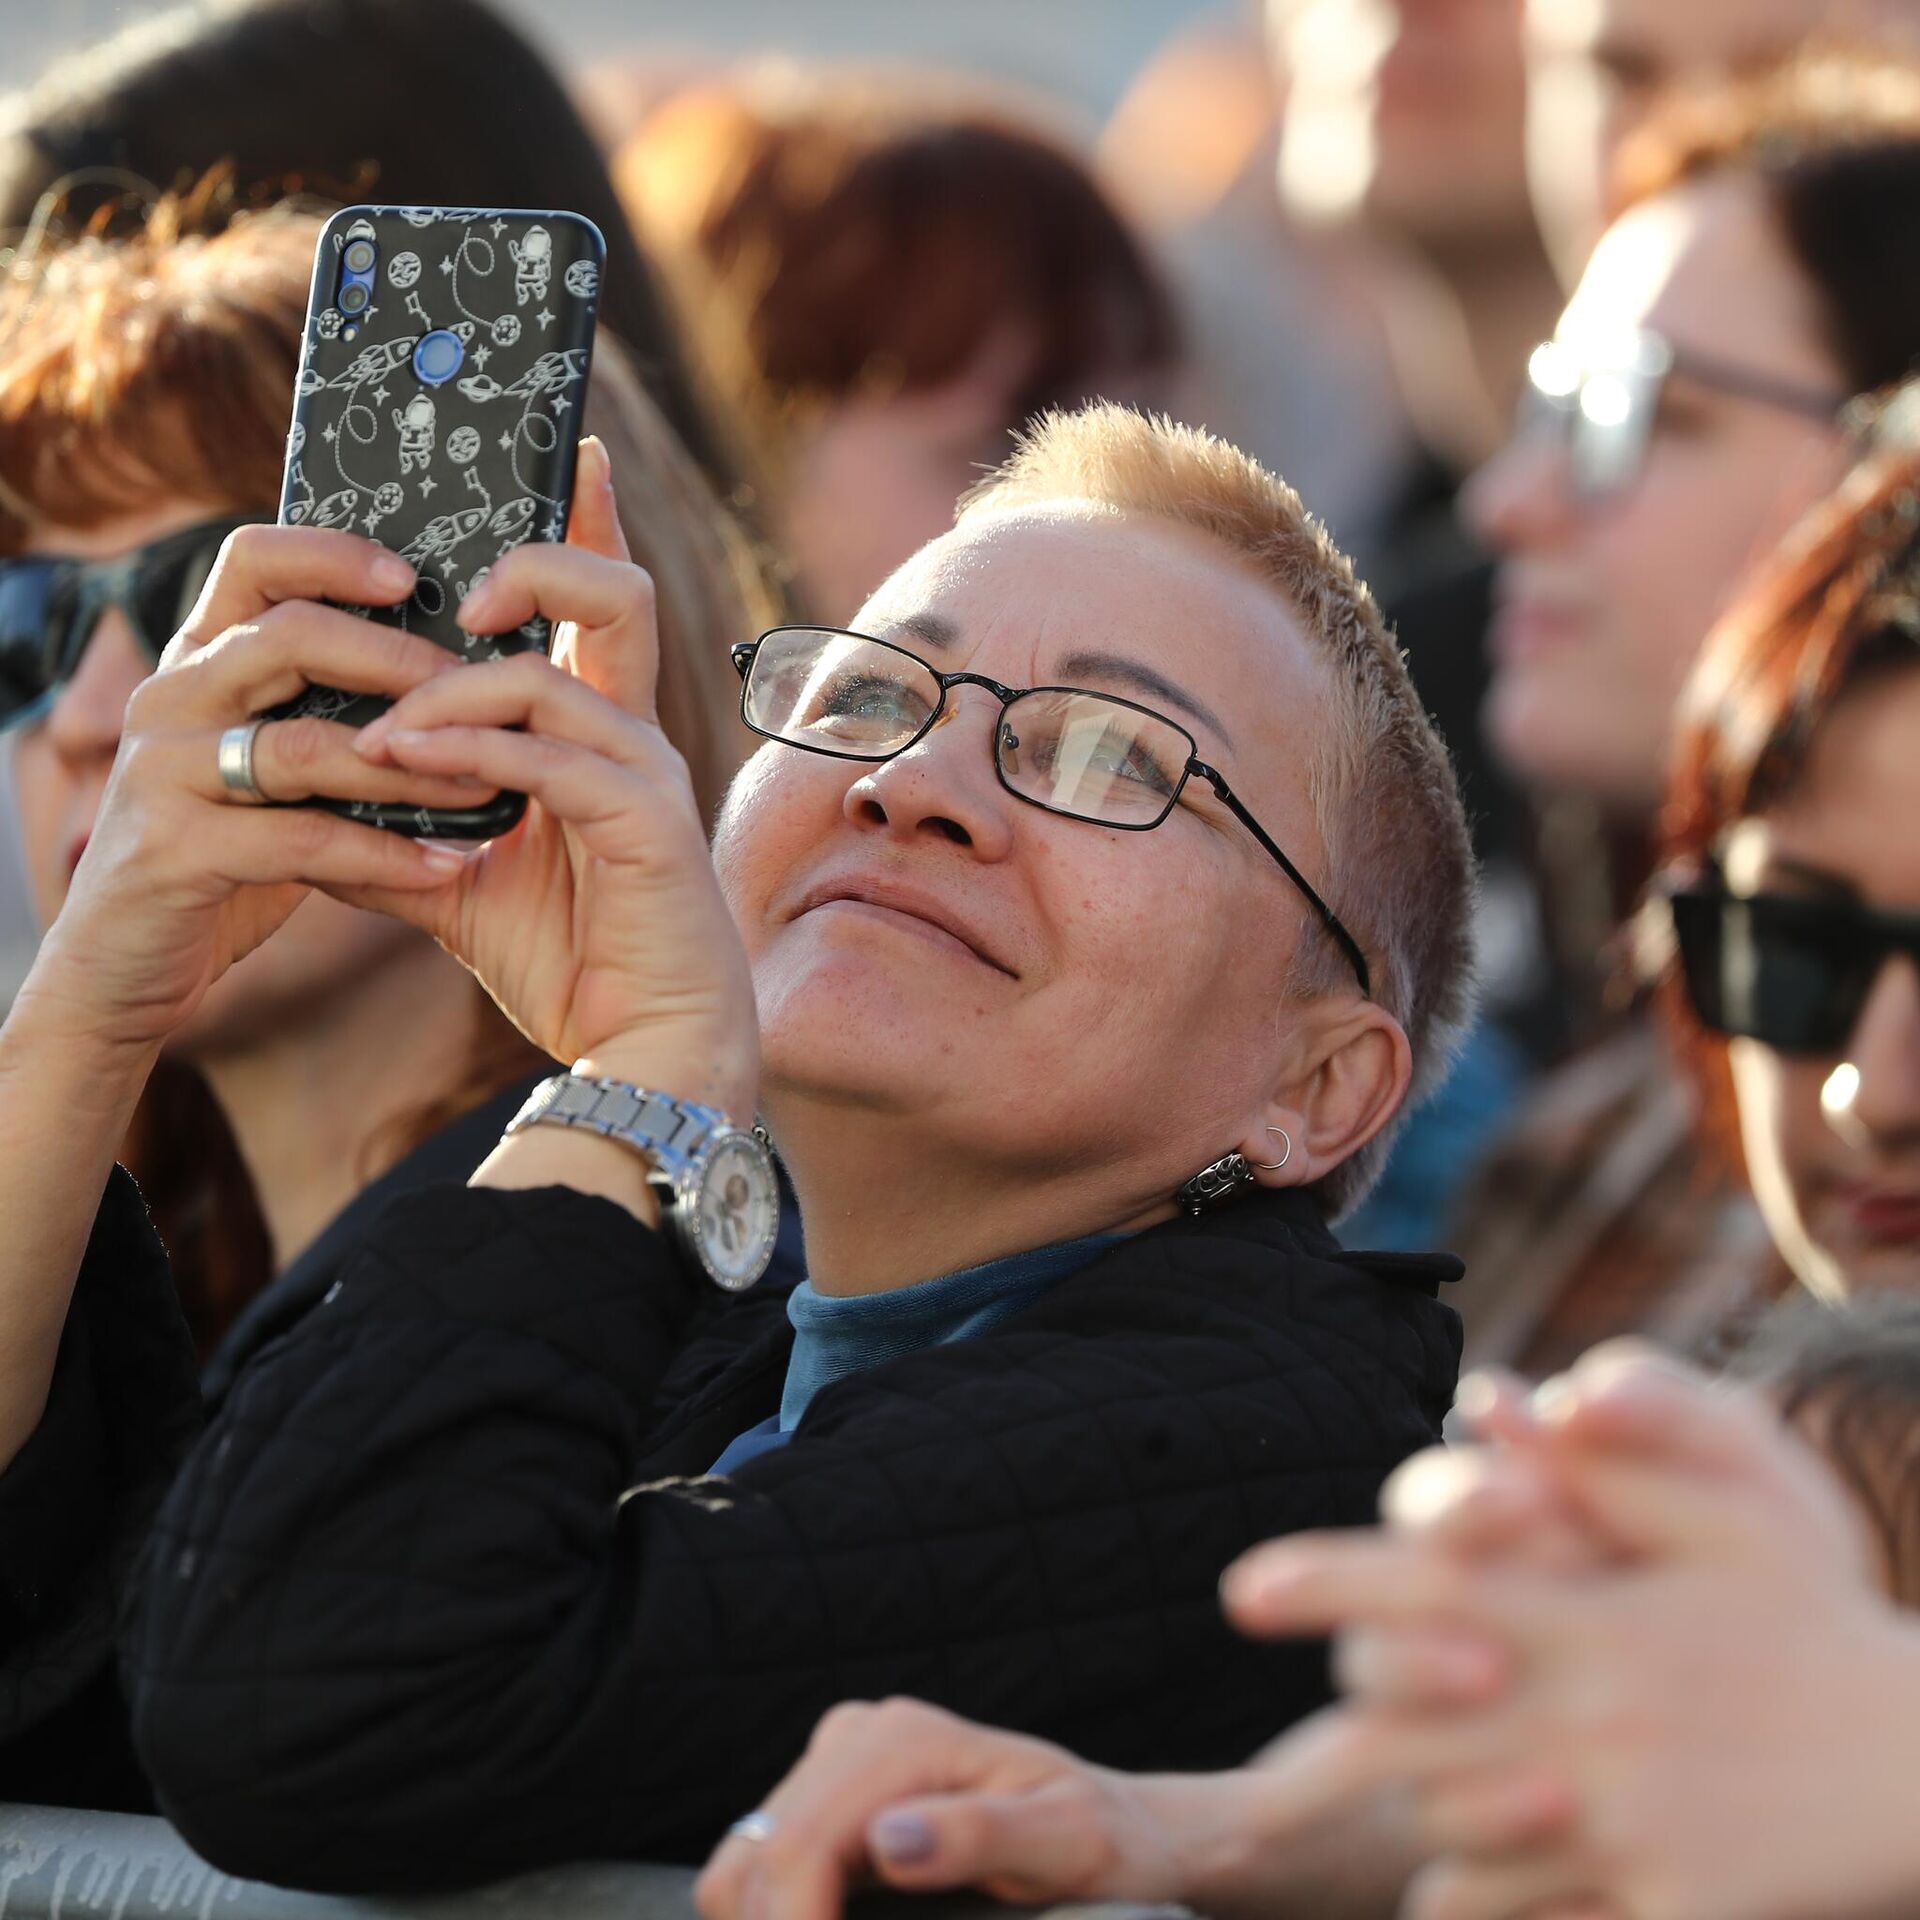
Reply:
x=62 y=1865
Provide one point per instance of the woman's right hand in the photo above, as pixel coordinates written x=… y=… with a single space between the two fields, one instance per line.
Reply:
x=180 y=877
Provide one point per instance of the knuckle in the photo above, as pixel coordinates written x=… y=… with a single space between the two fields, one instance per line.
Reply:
x=840 y=1724
x=309 y=832
x=398 y=647
x=248 y=549
x=900 y=1717
x=713 y=1891
x=147 y=700
x=548 y=756
x=299 y=746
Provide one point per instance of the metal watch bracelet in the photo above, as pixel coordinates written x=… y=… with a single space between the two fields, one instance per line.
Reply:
x=727 y=1230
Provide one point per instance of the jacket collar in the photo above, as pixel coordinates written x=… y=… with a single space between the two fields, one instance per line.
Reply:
x=1287 y=1220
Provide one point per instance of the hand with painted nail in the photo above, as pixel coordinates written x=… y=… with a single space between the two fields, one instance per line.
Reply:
x=1714 y=1718
x=597 y=924
x=911 y=1797
x=184 y=873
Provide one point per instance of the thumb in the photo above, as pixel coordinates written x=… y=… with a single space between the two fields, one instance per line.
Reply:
x=1058 y=1842
x=594 y=522
x=614 y=660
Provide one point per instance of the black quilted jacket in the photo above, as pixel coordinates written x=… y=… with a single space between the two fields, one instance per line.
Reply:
x=124 y=1407
x=443 y=1594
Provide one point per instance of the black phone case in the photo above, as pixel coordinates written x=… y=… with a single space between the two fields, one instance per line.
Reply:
x=452 y=472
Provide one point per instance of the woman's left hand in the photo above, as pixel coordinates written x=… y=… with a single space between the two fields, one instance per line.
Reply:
x=597 y=923
x=918 y=1799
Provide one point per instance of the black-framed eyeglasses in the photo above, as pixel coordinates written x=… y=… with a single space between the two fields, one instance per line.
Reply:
x=1791 y=972
x=1601 y=401
x=50 y=605
x=1089 y=756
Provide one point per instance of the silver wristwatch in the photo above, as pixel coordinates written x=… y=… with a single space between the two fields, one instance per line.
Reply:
x=719 y=1196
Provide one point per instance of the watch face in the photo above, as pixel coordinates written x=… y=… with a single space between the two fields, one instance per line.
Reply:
x=739 y=1213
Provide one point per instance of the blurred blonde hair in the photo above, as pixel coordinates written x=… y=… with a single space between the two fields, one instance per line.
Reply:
x=1399 y=859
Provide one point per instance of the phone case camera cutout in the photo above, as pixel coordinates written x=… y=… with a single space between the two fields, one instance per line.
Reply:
x=438 y=410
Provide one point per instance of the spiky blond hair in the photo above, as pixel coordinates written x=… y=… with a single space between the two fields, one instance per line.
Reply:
x=1399 y=860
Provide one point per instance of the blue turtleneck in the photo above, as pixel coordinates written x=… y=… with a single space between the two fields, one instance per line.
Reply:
x=838 y=1335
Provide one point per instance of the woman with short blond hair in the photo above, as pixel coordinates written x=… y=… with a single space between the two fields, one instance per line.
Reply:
x=1052 y=931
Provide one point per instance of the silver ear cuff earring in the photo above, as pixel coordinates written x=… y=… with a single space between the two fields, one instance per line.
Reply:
x=1228 y=1175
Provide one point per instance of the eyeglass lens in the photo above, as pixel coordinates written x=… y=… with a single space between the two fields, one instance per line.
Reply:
x=1602 y=417
x=1071 y=752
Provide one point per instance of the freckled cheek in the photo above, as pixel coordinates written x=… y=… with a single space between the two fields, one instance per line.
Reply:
x=772 y=826
x=1126 y=926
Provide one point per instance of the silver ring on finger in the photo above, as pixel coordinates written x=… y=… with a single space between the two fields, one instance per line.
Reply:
x=757 y=1825
x=236 y=763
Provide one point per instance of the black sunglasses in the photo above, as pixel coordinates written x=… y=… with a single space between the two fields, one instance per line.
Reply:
x=1088 y=756
x=50 y=605
x=1792 y=973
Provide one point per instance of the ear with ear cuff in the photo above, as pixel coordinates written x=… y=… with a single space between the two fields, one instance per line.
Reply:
x=1227 y=1175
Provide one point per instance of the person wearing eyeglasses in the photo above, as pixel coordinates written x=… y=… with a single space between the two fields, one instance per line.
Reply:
x=1601 y=1715
x=144 y=398
x=1079 y=932
x=1761 y=272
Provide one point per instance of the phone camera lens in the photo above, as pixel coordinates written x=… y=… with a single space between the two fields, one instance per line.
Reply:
x=353 y=298
x=359 y=256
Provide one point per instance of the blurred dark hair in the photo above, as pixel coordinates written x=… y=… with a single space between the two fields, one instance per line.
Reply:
x=1833 y=612
x=438 y=102
x=1833 y=138
x=1848 y=1377
x=835 y=234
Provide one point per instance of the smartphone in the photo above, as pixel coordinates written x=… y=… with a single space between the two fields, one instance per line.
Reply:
x=438 y=410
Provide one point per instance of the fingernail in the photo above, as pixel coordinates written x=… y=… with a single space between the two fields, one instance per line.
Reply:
x=1476 y=1398
x=405 y=737
x=1553 y=1399
x=474 y=606
x=1251 y=1585
x=443 y=859
x=391 y=573
x=902 y=1837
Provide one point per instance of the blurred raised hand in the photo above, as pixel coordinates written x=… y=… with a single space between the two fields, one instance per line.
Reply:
x=1715 y=1719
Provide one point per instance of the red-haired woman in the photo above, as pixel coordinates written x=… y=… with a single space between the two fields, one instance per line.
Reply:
x=145 y=387
x=1793 y=876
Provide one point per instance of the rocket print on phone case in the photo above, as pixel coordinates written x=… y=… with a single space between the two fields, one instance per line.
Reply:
x=440 y=416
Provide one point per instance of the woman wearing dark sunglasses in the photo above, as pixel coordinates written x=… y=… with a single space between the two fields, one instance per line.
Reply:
x=144 y=397
x=1792 y=882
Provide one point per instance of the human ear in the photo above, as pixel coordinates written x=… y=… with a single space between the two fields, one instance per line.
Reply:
x=1352 y=1082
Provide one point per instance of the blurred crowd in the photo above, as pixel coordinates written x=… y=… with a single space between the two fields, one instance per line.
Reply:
x=1588 y=331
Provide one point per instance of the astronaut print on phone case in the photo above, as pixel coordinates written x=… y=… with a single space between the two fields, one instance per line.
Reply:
x=438 y=410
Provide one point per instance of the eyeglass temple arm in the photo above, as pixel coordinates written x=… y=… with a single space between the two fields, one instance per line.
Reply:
x=1748 y=383
x=1328 y=918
